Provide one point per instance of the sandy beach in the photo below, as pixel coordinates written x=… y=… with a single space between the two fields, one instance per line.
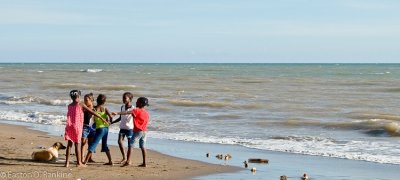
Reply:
x=18 y=143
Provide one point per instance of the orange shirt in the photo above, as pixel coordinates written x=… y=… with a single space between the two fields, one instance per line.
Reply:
x=141 y=118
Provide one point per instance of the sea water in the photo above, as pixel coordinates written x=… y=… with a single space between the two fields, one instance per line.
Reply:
x=347 y=111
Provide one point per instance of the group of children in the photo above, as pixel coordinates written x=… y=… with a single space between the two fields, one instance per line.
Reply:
x=133 y=125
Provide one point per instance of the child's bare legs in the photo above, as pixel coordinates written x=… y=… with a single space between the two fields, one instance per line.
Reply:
x=109 y=158
x=141 y=137
x=90 y=141
x=121 y=148
x=68 y=153
x=144 y=157
x=104 y=146
x=78 y=156
x=88 y=156
x=84 y=141
x=128 y=159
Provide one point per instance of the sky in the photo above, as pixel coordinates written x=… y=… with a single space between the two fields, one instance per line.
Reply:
x=200 y=31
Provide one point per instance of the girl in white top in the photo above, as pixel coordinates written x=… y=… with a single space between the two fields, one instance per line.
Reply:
x=126 y=128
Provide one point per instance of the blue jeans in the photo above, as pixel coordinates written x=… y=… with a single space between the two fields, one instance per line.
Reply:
x=128 y=133
x=101 y=134
x=141 y=137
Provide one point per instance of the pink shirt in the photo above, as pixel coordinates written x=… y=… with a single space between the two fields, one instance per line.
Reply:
x=141 y=118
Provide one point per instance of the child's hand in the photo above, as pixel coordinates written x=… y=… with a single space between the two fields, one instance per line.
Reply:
x=113 y=113
x=105 y=121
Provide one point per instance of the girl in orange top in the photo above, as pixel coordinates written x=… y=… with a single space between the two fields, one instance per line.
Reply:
x=141 y=119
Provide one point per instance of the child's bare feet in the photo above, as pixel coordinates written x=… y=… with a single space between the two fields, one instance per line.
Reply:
x=126 y=164
x=91 y=160
x=109 y=163
x=81 y=165
x=66 y=165
x=123 y=161
x=142 y=165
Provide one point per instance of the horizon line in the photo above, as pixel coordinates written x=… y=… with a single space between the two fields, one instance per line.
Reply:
x=199 y=63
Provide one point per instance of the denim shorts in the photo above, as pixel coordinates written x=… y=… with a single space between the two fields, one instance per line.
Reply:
x=128 y=133
x=88 y=132
x=140 y=137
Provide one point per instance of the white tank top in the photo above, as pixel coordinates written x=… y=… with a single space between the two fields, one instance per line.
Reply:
x=126 y=120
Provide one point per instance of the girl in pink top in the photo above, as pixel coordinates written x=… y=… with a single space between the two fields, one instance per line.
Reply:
x=74 y=126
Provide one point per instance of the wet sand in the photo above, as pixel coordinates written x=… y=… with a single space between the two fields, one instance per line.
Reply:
x=17 y=144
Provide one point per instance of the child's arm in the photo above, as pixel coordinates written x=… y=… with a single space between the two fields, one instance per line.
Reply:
x=119 y=119
x=122 y=113
x=110 y=116
x=92 y=112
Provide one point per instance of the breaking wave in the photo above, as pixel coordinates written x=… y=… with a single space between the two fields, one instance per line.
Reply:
x=33 y=117
x=32 y=99
x=92 y=70
x=372 y=127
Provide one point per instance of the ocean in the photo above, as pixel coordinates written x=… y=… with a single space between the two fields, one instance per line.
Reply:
x=348 y=111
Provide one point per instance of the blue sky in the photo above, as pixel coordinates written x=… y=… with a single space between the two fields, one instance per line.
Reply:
x=259 y=31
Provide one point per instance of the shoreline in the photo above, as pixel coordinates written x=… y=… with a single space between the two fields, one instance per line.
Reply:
x=18 y=142
x=281 y=163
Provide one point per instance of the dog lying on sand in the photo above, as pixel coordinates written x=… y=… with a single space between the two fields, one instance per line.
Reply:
x=50 y=154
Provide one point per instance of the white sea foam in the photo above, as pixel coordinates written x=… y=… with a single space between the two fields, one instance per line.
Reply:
x=92 y=70
x=377 y=151
x=380 y=73
x=32 y=99
x=373 y=151
x=33 y=117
